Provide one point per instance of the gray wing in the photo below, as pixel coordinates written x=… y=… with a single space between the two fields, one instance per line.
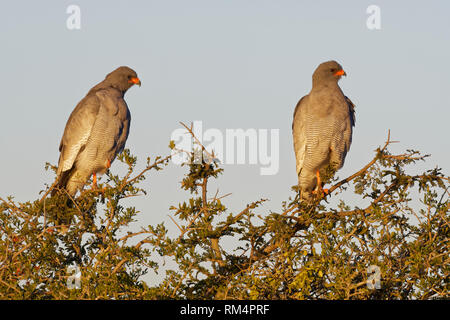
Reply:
x=351 y=110
x=124 y=132
x=341 y=142
x=77 y=131
x=349 y=131
x=299 y=134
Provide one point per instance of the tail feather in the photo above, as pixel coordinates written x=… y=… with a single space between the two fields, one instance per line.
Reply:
x=62 y=181
x=306 y=196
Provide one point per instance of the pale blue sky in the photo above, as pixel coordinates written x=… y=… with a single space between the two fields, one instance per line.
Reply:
x=231 y=64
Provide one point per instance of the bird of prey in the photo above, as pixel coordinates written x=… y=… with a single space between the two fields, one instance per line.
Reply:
x=96 y=131
x=322 y=130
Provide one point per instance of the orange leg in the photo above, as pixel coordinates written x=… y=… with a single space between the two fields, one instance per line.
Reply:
x=94 y=180
x=320 y=190
x=319 y=181
x=108 y=164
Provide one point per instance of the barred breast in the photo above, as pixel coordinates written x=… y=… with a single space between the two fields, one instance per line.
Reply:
x=327 y=137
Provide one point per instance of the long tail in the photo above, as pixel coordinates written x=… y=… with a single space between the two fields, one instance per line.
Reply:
x=62 y=181
x=306 y=196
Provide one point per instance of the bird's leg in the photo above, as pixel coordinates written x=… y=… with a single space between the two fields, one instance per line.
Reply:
x=320 y=183
x=94 y=180
x=108 y=165
x=320 y=189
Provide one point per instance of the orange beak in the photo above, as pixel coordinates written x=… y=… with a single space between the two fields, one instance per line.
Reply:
x=135 y=81
x=340 y=73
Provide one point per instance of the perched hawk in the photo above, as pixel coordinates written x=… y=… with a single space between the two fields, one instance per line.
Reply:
x=322 y=130
x=96 y=131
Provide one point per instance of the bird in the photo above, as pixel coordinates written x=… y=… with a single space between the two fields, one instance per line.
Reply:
x=96 y=131
x=322 y=130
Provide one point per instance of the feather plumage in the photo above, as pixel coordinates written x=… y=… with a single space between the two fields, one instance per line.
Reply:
x=96 y=131
x=322 y=128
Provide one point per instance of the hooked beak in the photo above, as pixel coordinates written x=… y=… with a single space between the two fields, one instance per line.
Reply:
x=135 y=80
x=340 y=73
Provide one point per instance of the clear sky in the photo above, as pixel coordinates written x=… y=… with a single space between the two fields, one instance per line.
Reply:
x=230 y=64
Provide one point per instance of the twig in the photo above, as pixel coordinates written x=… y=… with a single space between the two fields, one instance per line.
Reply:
x=353 y=176
x=191 y=132
x=181 y=230
x=48 y=191
x=155 y=164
